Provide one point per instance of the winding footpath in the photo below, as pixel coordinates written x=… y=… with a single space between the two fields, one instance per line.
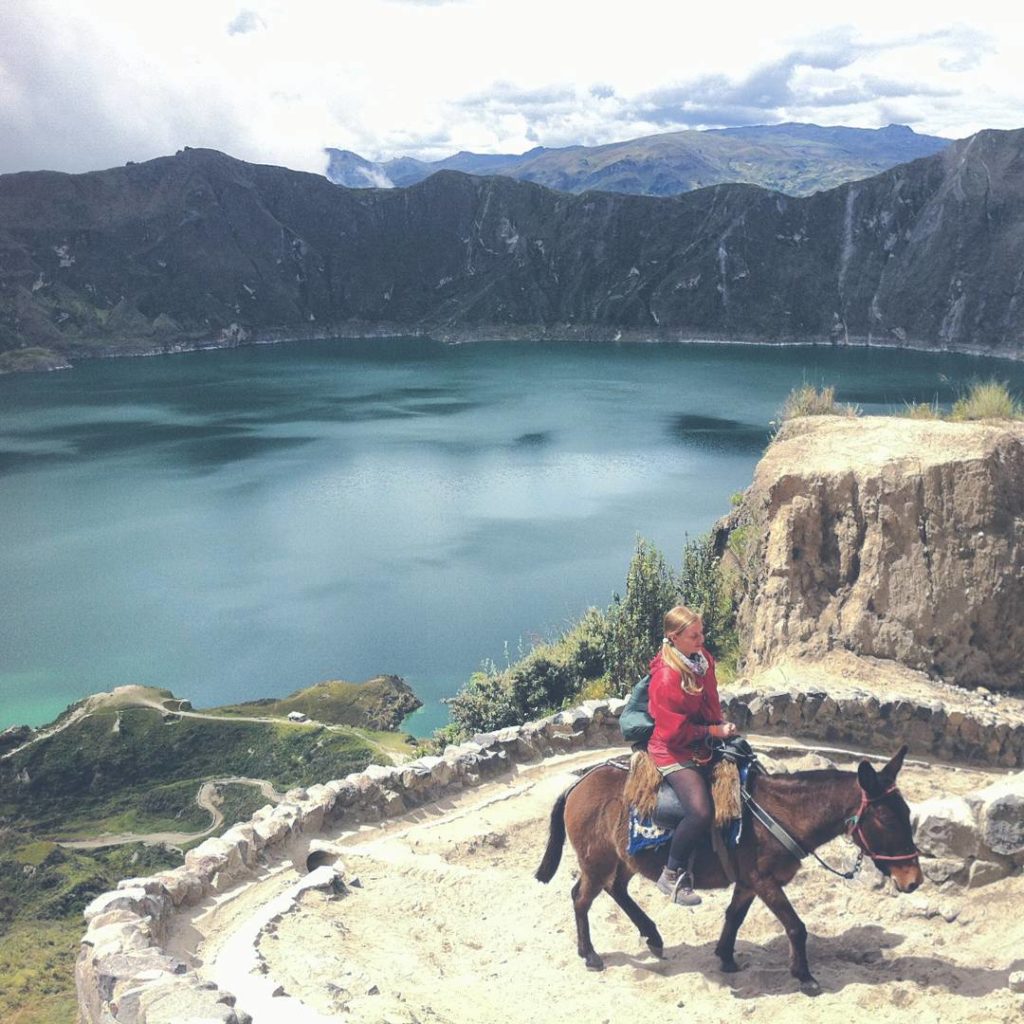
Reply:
x=208 y=796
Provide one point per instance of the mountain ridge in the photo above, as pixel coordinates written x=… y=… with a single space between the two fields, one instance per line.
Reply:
x=200 y=250
x=792 y=157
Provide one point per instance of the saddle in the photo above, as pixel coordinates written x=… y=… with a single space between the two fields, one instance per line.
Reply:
x=655 y=809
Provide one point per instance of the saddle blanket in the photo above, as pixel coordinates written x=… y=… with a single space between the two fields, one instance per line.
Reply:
x=647 y=833
x=644 y=834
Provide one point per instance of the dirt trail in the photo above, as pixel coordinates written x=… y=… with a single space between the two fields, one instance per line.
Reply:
x=449 y=925
x=207 y=798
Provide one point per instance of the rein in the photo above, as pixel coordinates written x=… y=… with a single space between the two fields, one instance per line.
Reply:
x=855 y=831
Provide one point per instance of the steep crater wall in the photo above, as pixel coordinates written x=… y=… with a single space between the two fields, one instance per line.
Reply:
x=892 y=538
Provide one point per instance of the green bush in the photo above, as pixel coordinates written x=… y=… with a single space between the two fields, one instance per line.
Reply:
x=603 y=654
x=636 y=621
x=921 y=411
x=239 y=801
x=546 y=678
x=702 y=588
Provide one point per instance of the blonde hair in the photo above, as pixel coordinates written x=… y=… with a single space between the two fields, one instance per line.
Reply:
x=677 y=619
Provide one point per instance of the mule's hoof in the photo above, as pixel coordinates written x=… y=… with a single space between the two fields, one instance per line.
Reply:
x=730 y=967
x=656 y=948
x=810 y=987
x=594 y=962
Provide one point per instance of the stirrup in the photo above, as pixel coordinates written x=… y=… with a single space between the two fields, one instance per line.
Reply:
x=679 y=889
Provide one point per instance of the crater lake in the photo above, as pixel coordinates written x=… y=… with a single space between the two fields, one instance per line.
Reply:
x=242 y=523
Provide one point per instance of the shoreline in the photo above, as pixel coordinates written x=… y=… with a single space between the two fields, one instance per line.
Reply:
x=592 y=334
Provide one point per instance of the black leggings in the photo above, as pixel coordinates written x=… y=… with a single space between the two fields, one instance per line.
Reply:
x=691 y=786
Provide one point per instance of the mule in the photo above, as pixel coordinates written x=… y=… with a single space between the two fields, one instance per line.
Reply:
x=812 y=806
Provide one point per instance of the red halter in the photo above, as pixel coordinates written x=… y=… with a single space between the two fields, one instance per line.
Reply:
x=856 y=830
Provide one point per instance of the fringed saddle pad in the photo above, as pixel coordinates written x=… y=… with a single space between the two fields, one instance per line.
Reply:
x=644 y=834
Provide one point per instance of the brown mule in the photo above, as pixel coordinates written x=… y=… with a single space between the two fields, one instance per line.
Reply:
x=813 y=807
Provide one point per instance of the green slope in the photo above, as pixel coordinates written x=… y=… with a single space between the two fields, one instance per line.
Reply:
x=379 y=703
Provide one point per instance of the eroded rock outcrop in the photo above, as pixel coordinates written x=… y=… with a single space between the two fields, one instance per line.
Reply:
x=892 y=538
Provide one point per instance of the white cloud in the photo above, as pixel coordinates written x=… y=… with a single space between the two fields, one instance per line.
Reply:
x=91 y=83
x=245 y=21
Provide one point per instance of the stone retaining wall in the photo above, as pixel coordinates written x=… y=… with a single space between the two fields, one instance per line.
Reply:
x=124 y=976
x=968 y=736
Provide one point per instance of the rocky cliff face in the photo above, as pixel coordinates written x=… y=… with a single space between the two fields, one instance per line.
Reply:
x=203 y=249
x=892 y=538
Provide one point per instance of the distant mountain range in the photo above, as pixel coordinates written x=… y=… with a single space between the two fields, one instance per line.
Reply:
x=201 y=249
x=797 y=159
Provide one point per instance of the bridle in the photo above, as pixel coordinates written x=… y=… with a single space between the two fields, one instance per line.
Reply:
x=855 y=829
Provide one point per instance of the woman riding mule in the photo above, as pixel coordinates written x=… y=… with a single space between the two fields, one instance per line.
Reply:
x=812 y=807
x=683 y=701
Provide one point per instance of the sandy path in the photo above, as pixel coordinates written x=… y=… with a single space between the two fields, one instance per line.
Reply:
x=449 y=925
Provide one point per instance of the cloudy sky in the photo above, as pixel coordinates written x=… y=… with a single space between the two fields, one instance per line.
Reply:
x=86 y=84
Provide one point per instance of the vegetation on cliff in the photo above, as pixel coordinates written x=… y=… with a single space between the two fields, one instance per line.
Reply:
x=606 y=651
x=808 y=400
x=983 y=400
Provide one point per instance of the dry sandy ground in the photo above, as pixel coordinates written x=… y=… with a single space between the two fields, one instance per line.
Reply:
x=448 y=925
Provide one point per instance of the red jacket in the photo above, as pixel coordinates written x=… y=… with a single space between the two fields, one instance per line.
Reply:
x=681 y=719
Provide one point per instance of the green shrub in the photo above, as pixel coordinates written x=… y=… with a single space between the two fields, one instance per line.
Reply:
x=549 y=676
x=636 y=621
x=702 y=587
x=239 y=801
x=603 y=654
x=985 y=400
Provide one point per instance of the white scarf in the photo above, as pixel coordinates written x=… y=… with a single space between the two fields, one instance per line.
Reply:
x=696 y=663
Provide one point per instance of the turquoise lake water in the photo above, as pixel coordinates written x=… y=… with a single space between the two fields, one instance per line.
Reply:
x=242 y=523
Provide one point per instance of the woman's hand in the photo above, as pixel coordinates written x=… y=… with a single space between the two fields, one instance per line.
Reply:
x=723 y=732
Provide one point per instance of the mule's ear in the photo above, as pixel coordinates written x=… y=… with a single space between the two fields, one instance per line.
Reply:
x=868 y=779
x=891 y=770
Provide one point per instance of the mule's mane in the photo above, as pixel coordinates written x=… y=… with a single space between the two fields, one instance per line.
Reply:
x=813 y=777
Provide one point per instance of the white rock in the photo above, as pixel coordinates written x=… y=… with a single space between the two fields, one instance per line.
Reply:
x=945 y=827
x=132 y=900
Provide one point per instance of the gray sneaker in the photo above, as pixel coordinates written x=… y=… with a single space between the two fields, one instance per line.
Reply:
x=678 y=887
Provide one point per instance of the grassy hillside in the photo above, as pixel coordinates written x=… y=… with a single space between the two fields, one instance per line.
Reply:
x=139 y=768
x=379 y=703
x=43 y=891
x=131 y=762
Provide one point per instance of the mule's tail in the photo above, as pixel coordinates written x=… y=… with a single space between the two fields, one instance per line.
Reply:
x=556 y=840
